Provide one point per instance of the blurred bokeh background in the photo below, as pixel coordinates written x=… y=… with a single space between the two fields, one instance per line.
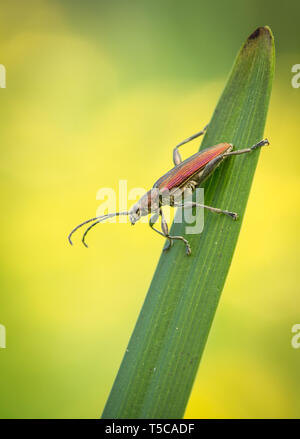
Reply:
x=99 y=91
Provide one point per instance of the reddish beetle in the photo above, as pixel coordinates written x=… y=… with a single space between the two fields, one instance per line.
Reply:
x=170 y=188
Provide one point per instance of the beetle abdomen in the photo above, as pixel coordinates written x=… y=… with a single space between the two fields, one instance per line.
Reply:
x=181 y=173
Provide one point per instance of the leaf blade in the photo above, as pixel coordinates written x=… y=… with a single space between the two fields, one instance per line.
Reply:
x=159 y=367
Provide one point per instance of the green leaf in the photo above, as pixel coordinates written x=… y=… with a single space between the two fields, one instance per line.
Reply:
x=159 y=367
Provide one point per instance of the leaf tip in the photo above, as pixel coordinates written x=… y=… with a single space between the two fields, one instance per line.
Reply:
x=263 y=32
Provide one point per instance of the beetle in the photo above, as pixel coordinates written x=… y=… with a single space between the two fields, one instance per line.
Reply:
x=173 y=186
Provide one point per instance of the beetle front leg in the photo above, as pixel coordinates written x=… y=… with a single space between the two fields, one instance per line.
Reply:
x=212 y=209
x=165 y=229
x=176 y=154
x=153 y=220
x=165 y=232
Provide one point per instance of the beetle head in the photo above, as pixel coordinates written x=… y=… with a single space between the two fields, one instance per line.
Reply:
x=135 y=214
x=147 y=203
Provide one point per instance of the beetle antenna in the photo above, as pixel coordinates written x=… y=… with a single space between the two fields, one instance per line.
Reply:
x=87 y=231
x=98 y=219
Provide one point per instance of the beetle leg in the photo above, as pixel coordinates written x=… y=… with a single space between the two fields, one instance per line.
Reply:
x=243 y=151
x=153 y=220
x=176 y=155
x=165 y=229
x=212 y=209
x=165 y=232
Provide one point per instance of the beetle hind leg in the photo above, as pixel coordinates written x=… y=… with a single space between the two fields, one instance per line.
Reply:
x=246 y=150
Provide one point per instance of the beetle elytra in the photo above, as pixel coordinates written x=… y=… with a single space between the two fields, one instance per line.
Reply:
x=170 y=189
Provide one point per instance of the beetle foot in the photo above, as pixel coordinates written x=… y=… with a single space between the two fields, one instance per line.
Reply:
x=168 y=246
x=233 y=215
x=188 y=250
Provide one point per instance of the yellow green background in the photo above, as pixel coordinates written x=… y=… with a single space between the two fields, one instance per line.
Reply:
x=99 y=91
